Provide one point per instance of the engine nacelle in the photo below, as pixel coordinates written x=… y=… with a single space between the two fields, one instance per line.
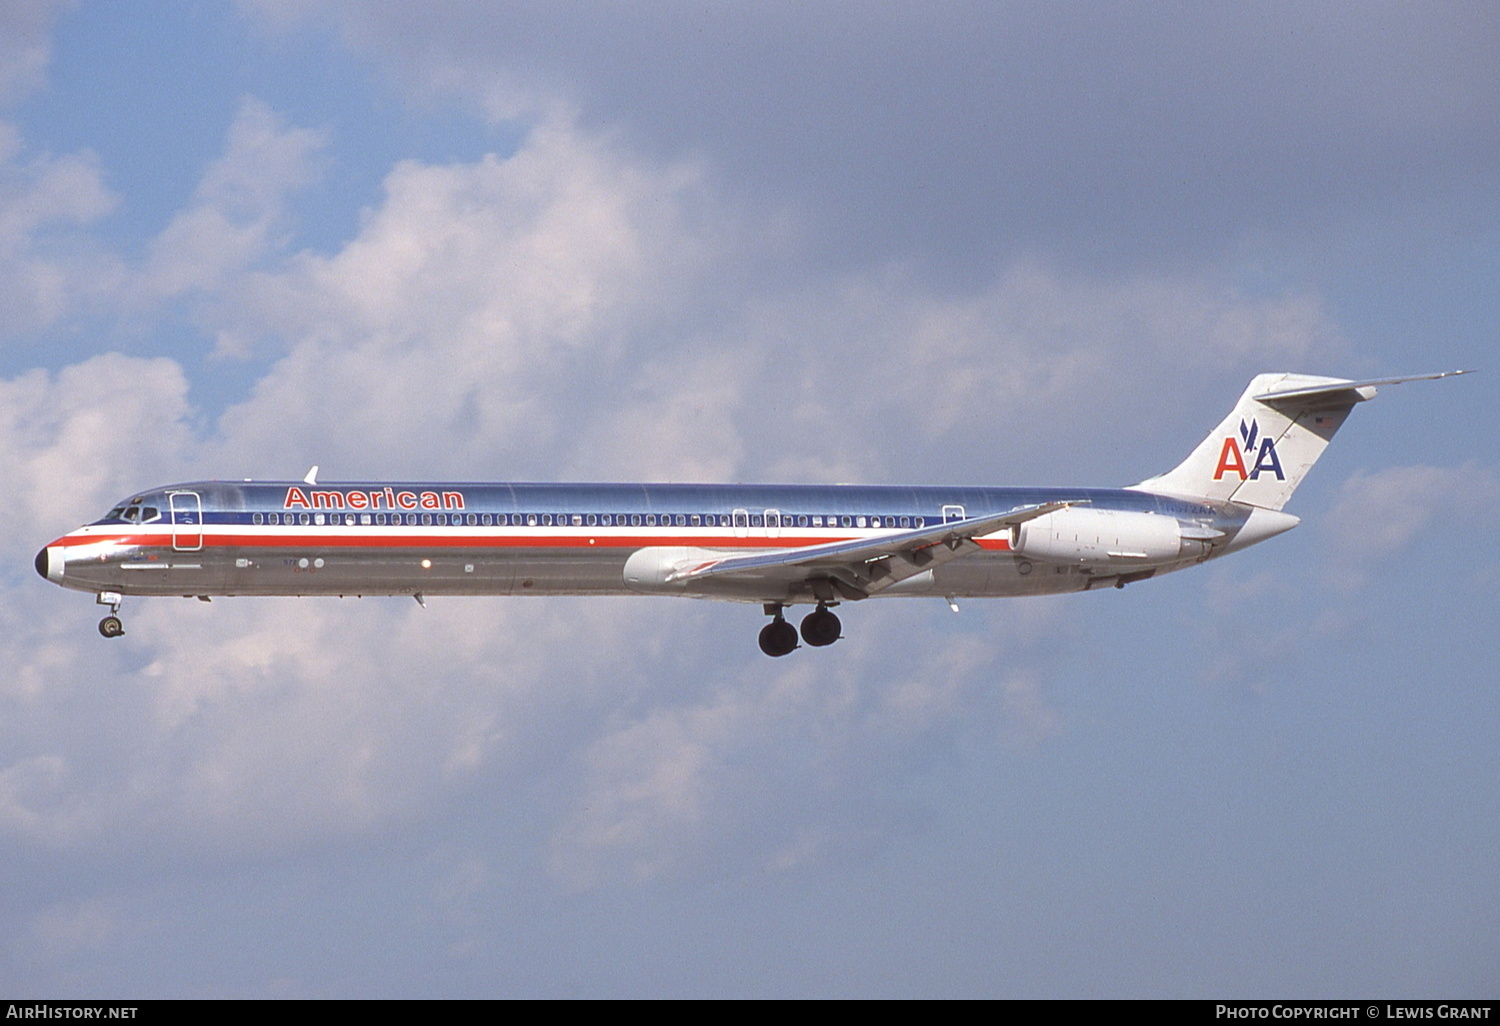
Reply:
x=1105 y=537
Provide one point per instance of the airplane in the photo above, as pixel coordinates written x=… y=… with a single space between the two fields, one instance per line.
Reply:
x=776 y=545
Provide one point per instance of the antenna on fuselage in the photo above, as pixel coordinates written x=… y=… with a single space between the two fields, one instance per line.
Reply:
x=312 y=475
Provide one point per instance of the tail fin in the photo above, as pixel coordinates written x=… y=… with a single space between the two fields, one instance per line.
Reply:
x=1276 y=432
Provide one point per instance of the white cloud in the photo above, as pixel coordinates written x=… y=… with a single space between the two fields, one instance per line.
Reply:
x=958 y=135
x=785 y=765
x=1379 y=515
x=48 y=269
x=74 y=441
x=480 y=311
x=238 y=214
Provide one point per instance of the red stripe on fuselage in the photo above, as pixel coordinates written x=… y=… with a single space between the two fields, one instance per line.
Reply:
x=452 y=539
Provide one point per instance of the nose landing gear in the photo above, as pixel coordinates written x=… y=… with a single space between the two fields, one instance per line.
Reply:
x=110 y=626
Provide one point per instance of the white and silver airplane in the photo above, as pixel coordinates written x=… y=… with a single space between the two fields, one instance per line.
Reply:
x=777 y=545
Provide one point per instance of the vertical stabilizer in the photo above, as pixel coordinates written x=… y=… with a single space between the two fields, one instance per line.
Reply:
x=1268 y=443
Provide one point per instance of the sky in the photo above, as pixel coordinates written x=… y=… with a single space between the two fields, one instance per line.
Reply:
x=989 y=243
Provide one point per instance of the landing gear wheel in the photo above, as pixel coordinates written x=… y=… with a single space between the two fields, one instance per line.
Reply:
x=821 y=628
x=111 y=627
x=777 y=638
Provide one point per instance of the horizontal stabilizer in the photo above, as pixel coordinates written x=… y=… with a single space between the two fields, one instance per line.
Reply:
x=1354 y=391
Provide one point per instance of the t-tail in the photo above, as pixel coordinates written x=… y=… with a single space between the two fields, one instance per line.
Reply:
x=1265 y=447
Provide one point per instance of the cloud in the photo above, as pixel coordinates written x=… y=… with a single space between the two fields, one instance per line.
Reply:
x=1379 y=515
x=49 y=270
x=74 y=441
x=959 y=135
x=238 y=213
x=790 y=765
x=474 y=298
x=25 y=43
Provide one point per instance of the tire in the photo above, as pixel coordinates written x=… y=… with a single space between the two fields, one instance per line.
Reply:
x=821 y=628
x=777 y=638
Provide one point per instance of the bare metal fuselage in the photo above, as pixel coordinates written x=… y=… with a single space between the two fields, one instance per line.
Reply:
x=283 y=538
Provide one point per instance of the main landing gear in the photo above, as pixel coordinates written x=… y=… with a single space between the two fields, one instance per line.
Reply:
x=819 y=628
x=110 y=626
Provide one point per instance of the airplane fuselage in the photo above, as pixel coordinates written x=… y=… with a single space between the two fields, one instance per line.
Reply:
x=352 y=538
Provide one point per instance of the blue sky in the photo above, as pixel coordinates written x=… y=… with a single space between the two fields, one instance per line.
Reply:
x=991 y=243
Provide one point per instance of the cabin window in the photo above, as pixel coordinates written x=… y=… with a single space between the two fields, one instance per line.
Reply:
x=757 y=520
x=577 y=519
x=319 y=518
x=366 y=519
x=272 y=518
x=635 y=520
x=906 y=521
x=847 y=521
x=426 y=519
x=485 y=520
x=257 y=519
x=918 y=521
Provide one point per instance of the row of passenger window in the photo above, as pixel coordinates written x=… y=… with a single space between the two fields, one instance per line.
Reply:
x=721 y=520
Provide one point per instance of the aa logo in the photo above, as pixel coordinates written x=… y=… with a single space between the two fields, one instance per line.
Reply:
x=1232 y=457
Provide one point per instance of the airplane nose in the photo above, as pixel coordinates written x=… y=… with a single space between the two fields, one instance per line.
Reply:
x=41 y=563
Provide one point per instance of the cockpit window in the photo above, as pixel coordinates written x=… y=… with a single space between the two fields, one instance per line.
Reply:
x=134 y=514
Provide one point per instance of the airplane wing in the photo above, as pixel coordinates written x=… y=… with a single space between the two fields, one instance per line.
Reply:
x=860 y=568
